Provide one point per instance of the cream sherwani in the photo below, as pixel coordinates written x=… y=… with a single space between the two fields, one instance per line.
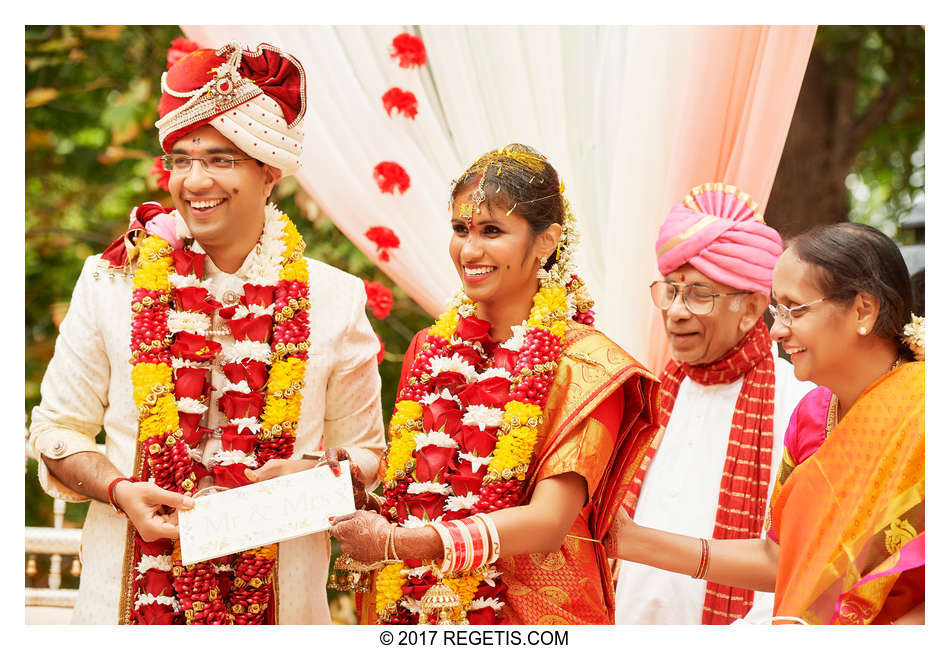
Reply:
x=88 y=386
x=680 y=494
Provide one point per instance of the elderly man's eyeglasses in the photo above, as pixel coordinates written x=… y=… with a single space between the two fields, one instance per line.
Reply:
x=784 y=314
x=698 y=298
x=216 y=163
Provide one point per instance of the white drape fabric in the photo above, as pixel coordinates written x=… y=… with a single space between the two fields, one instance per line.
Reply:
x=631 y=117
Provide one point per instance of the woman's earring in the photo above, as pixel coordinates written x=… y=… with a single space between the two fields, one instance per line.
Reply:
x=542 y=274
x=862 y=330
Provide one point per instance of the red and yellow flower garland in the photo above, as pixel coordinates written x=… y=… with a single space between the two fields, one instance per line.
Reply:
x=169 y=366
x=522 y=391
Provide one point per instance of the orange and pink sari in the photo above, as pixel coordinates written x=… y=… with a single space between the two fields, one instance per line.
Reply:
x=849 y=519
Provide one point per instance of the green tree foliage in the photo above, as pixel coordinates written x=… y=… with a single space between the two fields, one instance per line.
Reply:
x=855 y=145
x=887 y=174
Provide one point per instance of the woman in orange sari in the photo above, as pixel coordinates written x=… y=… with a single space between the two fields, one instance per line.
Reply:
x=846 y=533
x=516 y=430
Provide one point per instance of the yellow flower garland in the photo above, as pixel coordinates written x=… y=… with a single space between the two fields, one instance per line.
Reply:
x=389 y=584
x=445 y=326
x=402 y=437
x=154 y=264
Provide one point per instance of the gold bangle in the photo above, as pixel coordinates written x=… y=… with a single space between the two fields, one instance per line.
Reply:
x=392 y=537
x=389 y=537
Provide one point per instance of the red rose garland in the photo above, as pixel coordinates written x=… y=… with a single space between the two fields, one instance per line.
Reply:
x=461 y=440
x=170 y=358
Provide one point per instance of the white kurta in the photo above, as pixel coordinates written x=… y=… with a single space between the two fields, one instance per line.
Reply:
x=88 y=386
x=680 y=494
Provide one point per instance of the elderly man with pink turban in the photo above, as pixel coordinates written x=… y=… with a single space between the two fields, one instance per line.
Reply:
x=231 y=378
x=725 y=402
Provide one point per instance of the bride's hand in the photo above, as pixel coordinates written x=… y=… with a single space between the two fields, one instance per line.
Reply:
x=615 y=541
x=362 y=535
x=333 y=458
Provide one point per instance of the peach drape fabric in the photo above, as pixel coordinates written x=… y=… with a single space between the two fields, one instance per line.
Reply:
x=734 y=118
x=632 y=118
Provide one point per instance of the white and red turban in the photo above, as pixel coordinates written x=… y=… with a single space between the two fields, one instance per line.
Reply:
x=255 y=98
x=718 y=231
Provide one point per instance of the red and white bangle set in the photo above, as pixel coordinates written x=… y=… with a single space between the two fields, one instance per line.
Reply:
x=468 y=543
x=703 y=559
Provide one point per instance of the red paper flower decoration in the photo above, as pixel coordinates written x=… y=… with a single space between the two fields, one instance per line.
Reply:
x=408 y=50
x=378 y=298
x=402 y=100
x=390 y=176
x=180 y=47
x=382 y=351
x=384 y=238
x=160 y=173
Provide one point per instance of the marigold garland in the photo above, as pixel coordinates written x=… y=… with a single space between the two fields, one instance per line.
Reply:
x=389 y=584
x=403 y=426
x=236 y=589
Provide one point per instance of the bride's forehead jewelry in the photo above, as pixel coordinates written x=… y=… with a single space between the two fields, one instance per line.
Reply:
x=540 y=198
x=479 y=194
x=465 y=212
x=531 y=161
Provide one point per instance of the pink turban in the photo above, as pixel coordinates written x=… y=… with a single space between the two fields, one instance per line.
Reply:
x=718 y=231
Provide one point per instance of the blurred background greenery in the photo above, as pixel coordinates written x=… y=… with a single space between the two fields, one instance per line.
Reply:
x=855 y=150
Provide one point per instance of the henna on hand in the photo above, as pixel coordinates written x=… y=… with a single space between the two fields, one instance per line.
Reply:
x=333 y=457
x=362 y=535
x=612 y=541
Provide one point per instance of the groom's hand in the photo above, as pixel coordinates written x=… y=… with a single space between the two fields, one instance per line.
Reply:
x=152 y=510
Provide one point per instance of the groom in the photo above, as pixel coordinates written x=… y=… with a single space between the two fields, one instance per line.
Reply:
x=229 y=368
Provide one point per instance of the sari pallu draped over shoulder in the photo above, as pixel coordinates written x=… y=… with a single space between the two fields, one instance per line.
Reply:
x=573 y=585
x=850 y=518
